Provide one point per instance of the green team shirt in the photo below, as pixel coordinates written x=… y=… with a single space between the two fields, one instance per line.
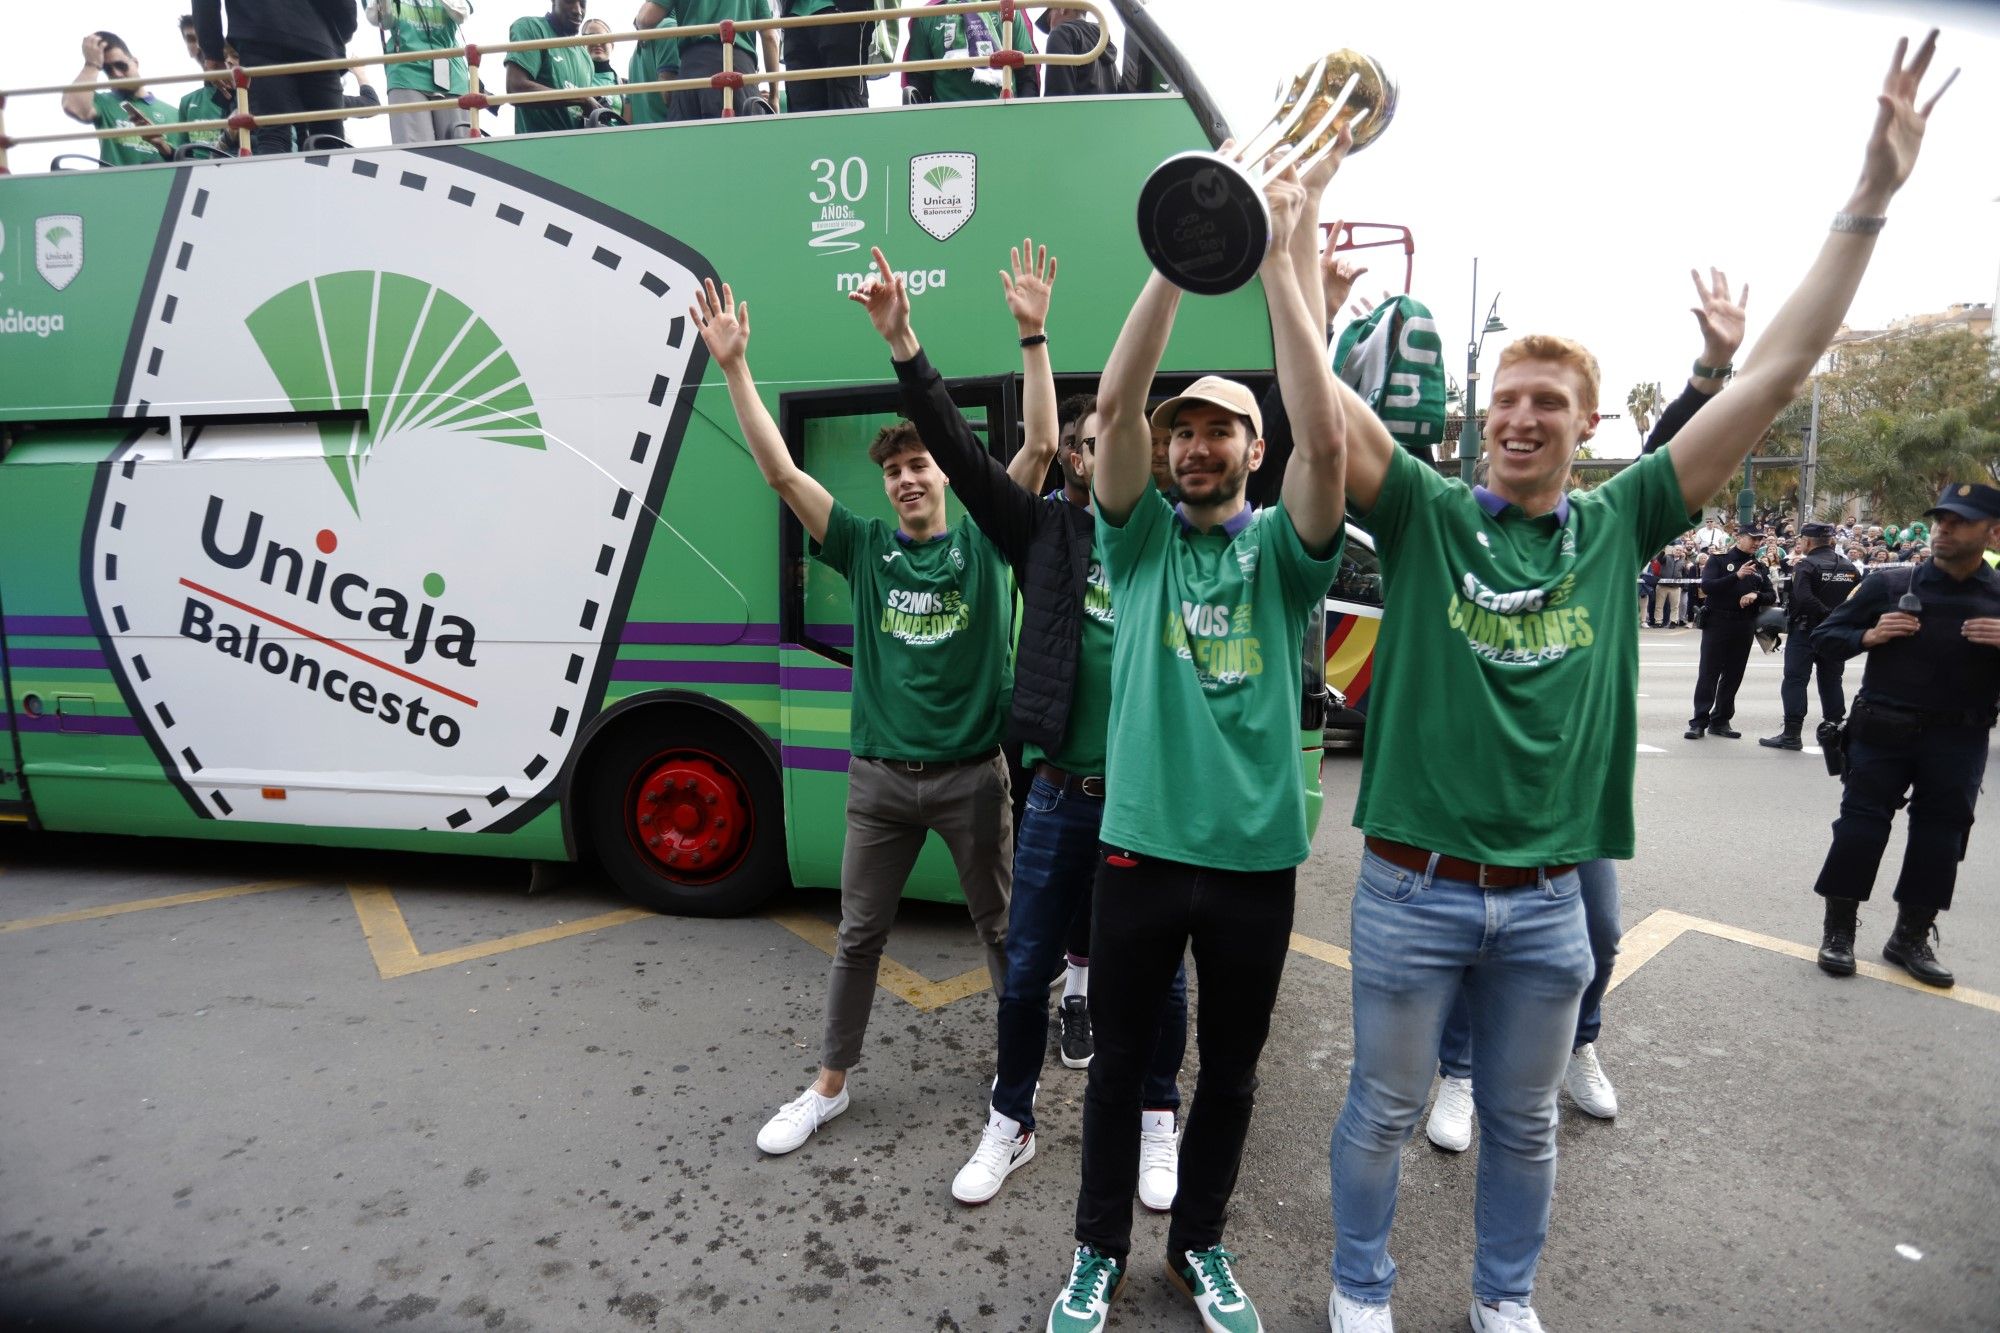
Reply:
x=1082 y=748
x=1206 y=680
x=932 y=677
x=424 y=25
x=604 y=78
x=562 y=67
x=949 y=36
x=648 y=60
x=205 y=103
x=108 y=112
x=1503 y=726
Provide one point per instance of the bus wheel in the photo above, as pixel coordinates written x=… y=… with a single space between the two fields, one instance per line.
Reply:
x=687 y=817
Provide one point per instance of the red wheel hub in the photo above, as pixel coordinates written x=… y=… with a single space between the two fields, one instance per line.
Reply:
x=689 y=817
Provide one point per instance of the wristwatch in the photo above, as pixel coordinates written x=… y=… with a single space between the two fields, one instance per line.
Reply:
x=1721 y=372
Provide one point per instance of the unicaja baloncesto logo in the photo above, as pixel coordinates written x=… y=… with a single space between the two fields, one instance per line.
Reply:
x=383 y=548
x=59 y=248
x=944 y=191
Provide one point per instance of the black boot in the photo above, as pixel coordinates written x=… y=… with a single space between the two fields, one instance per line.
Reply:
x=1909 y=947
x=1724 y=730
x=1836 y=941
x=1694 y=732
x=1788 y=739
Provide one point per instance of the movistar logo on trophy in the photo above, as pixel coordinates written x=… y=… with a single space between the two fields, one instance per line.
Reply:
x=944 y=191
x=59 y=248
x=412 y=357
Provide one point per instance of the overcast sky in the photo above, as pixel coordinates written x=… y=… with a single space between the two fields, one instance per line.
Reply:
x=1588 y=152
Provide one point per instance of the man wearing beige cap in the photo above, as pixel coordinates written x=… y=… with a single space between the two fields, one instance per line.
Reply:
x=1204 y=821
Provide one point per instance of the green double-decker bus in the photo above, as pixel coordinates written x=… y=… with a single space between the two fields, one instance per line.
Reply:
x=384 y=498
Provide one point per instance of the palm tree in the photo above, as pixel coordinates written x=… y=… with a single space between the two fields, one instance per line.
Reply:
x=1644 y=403
x=1901 y=461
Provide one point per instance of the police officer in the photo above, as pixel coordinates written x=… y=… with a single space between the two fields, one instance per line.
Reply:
x=1820 y=582
x=1734 y=586
x=1920 y=727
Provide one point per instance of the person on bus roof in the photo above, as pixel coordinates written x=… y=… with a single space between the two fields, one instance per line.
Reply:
x=105 y=54
x=552 y=67
x=278 y=32
x=932 y=607
x=424 y=25
x=702 y=56
x=959 y=37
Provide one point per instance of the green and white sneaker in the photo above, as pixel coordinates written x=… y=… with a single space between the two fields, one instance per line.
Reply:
x=1206 y=1278
x=1086 y=1300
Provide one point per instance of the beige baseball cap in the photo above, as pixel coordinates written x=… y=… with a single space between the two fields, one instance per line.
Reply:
x=1225 y=394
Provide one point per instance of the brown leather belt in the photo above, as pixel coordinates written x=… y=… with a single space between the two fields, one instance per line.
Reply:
x=1065 y=781
x=1470 y=872
x=940 y=765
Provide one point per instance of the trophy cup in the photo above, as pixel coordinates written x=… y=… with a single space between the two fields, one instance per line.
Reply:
x=1202 y=216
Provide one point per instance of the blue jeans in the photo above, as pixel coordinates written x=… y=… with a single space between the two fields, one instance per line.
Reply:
x=1055 y=864
x=1600 y=918
x=1523 y=955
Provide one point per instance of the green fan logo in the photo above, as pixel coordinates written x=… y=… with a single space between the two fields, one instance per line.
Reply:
x=409 y=355
x=939 y=176
x=56 y=235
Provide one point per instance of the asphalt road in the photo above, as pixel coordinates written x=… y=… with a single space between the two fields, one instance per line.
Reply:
x=241 y=1112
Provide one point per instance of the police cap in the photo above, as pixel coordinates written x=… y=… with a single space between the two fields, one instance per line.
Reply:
x=1821 y=530
x=1969 y=500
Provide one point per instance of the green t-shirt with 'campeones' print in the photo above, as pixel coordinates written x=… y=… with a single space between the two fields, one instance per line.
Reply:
x=1503 y=724
x=1207 y=671
x=932 y=624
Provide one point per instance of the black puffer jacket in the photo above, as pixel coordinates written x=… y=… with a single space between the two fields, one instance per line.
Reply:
x=301 y=29
x=1045 y=538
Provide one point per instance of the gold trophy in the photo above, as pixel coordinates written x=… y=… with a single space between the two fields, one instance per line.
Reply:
x=1202 y=216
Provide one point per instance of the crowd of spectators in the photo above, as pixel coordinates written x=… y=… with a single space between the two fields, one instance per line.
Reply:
x=221 y=33
x=1670 y=594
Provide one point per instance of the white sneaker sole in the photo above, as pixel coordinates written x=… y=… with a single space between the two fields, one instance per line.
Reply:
x=973 y=1201
x=1437 y=1142
x=783 y=1149
x=1156 y=1206
x=1074 y=1064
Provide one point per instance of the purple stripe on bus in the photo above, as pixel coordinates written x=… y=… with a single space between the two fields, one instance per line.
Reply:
x=58 y=625
x=20 y=658
x=838 y=679
x=701 y=633
x=697 y=673
x=840 y=635
x=816 y=758
x=89 y=726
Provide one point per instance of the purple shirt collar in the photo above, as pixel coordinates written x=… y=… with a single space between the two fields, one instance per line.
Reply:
x=1493 y=504
x=1232 y=527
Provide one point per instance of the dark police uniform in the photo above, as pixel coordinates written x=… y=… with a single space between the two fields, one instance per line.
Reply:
x=1726 y=632
x=1920 y=727
x=1820 y=582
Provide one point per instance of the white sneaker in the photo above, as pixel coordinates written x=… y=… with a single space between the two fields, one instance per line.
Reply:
x=1348 y=1316
x=1159 y=1168
x=1588 y=1087
x=798 y=1119
x=1507 y=1318
x=1002 y=1147
x=1450 y=1125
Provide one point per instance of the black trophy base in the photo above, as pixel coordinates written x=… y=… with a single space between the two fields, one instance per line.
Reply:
x=1204 y=223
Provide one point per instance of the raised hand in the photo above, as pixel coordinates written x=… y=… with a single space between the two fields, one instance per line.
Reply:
x=886 y=300
x=93 y=50
x=1337 y=276
x=1721 y=319
x=1287 y=200
x=1322 y=173
x=724 y=325
x=1899 y=122
x=1029 y=286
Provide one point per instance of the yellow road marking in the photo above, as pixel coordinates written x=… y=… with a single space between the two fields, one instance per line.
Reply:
x=1320 y=949
x=395 y=949
x=910 y=986
x=148 y=904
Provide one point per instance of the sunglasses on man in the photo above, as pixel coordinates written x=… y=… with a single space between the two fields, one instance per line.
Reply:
x=117 y=69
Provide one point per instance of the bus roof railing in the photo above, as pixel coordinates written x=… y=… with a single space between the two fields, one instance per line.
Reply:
x=728 y=80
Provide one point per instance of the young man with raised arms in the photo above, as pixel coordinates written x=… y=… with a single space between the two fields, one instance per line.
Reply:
x=1204 y=823
x=1516 y=603
x=932 y=610
x=1061 y=712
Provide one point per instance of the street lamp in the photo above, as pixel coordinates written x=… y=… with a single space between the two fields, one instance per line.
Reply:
x=1475 y=339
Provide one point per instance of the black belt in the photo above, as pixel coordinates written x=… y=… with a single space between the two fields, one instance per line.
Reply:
x=1065 y=781
x=1925 y=717
x=986 y=756
x=1469 y=872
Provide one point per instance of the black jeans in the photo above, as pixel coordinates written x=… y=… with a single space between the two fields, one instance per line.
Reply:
x=830 y=47
x=1725 y=652
x=1940 y=768
x=284 y=94
x=1800 y=662
x=1145 y=914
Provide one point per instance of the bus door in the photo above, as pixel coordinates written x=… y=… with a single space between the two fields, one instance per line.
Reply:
x=829 y=434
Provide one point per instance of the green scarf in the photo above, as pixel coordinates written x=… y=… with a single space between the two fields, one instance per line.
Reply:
x=1394 y=360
